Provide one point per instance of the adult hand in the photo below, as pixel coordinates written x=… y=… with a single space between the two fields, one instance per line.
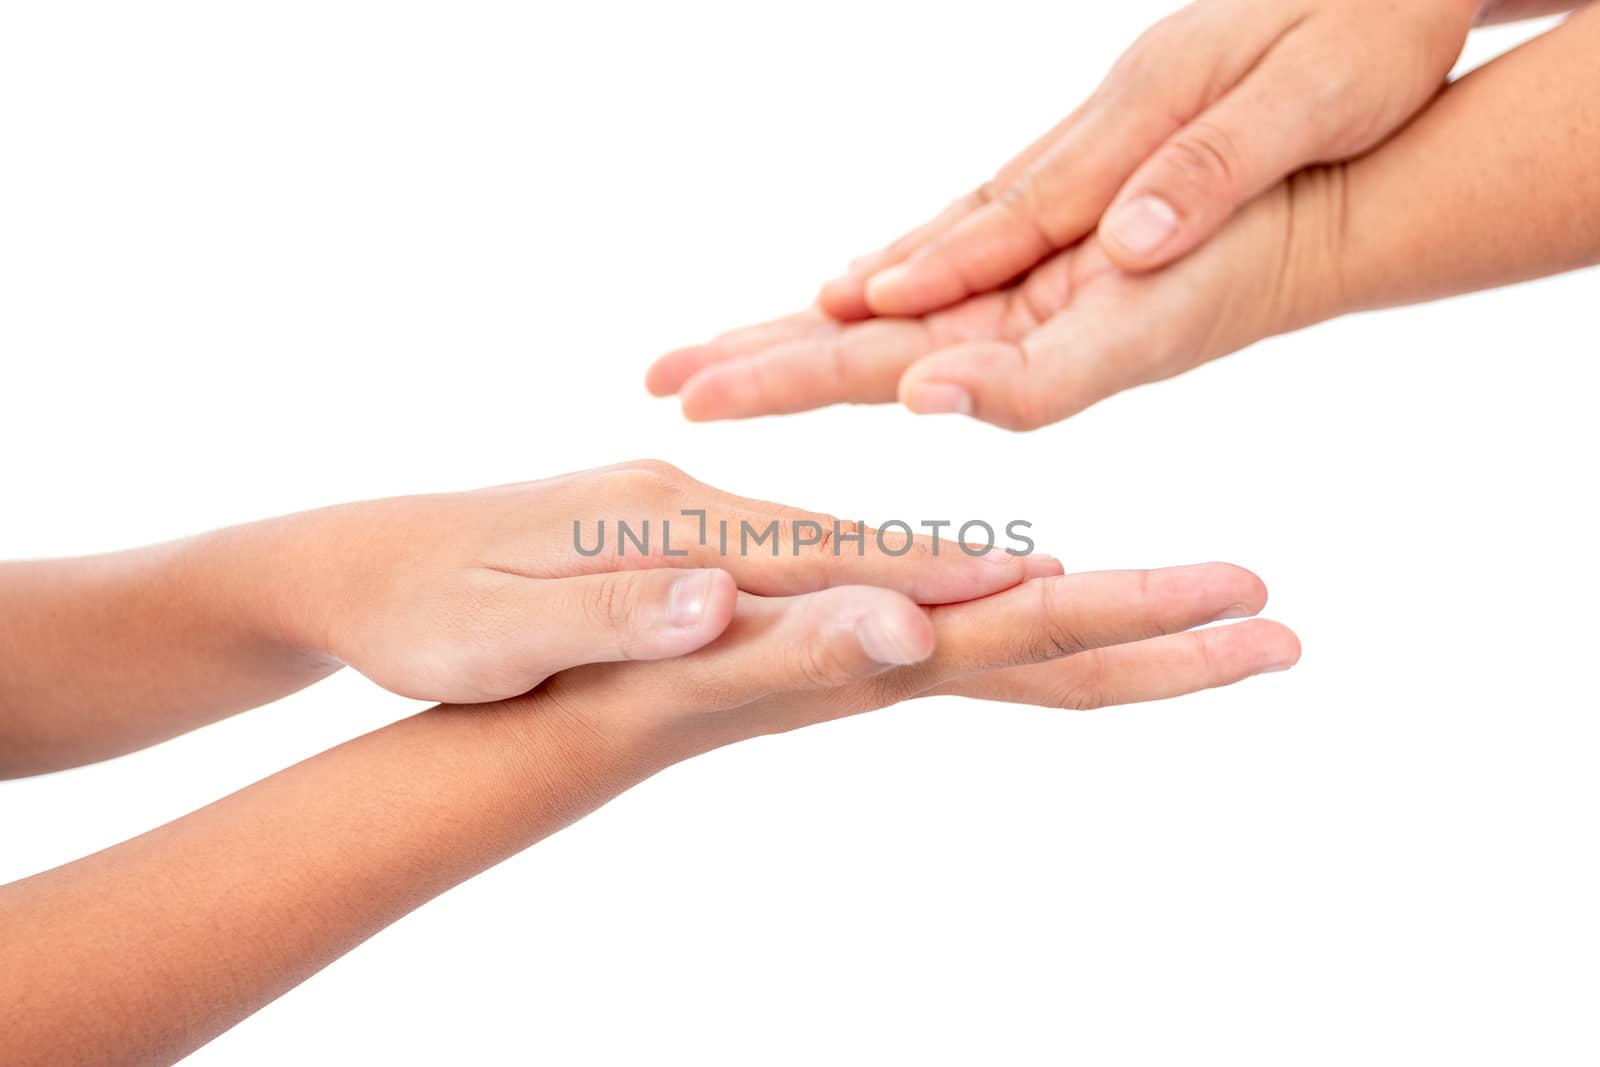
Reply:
x=1209 y=108
x=1074 y=332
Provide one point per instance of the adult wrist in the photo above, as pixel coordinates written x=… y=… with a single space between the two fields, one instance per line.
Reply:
x=1314 y=282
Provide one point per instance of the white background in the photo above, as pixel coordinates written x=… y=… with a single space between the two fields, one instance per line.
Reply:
x=255 y=258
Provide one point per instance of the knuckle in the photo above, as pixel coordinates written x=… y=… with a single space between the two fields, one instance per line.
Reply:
x=1145 y=57
x=1058 y=637
x=1023 y=199
x=646 y=481
x=817 y=664
x=1205 y=655
x=1151 y=622
x=609 y=602
x=1204 y=157
x=654 y=466
x=818 y=560
x=1084 y=689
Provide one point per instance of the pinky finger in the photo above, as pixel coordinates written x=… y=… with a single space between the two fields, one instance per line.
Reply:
x=1156 y=669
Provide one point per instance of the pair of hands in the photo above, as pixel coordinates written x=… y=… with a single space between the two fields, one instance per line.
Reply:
x=1074 y=273
x=481 y=596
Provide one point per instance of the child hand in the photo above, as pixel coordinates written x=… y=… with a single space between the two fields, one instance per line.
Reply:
x=1209 y=108
x=1078 y=641
x=477 y=596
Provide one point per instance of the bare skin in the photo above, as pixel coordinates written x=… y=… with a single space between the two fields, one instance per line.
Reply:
x=1211 y=107
x=1329 y=241
x=143 y=952
x=448 y=597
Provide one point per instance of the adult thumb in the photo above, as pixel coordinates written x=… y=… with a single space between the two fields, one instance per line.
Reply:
x=1189 y=187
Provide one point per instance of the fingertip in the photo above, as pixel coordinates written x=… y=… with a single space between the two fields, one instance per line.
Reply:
x=1141 y=233
x=988 y=380
x=668 y=373
x=895 y=291
x=1282 y=648
x=1039 y=565
x=704 y=397
x=1245 y=584
x=895 y=633
x=1255 y=646
x=699 y=607
x=722 y=598
x=844 y=299
x=937 y=398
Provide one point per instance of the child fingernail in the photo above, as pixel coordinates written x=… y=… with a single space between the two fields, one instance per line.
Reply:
x=1142 y=225
x=686 y=603
x=939 y=400
x=885 y=641
x=1040 y=565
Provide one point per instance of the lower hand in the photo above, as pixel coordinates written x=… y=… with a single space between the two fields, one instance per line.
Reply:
x=1075 y=641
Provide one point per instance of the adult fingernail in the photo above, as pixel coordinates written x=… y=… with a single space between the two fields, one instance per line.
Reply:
x=1275 y=668
x=885 y=641
x=885 y=283
x=686 y=603
x=1237 y=611
x=1142 y=225
x=939 y=400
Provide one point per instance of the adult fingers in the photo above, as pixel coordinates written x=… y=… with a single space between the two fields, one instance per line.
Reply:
x=1156 y=669
x=1176 y=70
x=668 y=373
x=1045 y=364
x=1246 y=142
x=857 y=364
x=1049 y=206
x=860 y=365
x=845 y=297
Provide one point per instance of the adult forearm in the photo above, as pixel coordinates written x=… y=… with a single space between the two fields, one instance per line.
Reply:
x=1492 y=11
x=105 y=654
x=143 y=952
x=1497 y=182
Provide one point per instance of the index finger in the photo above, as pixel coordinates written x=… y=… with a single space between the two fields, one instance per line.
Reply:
x=774 y=550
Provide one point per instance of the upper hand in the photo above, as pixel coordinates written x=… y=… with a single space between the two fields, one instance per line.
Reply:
x=1209 y=108
x=476 y=596
x=1076 y=330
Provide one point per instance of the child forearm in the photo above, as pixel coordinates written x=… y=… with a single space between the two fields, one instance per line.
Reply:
x=453 y=598
x=1498 y=182
x=104 y=654
x=143 y=952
